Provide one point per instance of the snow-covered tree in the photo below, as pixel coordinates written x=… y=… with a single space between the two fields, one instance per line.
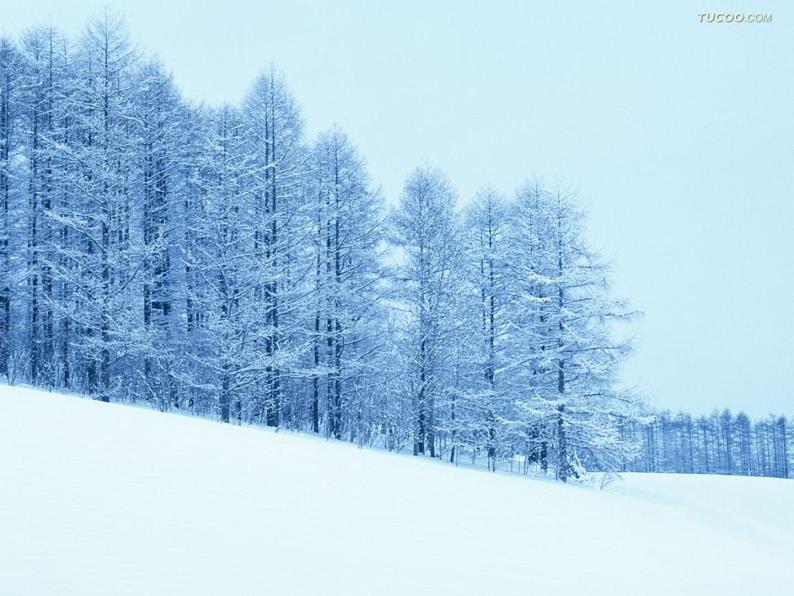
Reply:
x=10 y=64
x=566 y=357
x=228 y=273
x=481 y=407
x=346 y=297
x=279 y=162
x=163 y=168
x=427 y=232
x=100 y=260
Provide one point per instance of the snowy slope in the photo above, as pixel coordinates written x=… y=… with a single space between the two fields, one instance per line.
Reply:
x=99 y=499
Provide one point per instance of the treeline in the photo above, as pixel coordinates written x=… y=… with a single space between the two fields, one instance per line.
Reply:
x=215 y=260
x=718 y=444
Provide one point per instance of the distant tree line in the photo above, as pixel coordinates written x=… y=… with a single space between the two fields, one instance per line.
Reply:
x=216 y=261
x=718 y=444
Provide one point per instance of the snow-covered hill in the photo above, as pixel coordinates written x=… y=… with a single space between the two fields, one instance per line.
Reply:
x=99 y=499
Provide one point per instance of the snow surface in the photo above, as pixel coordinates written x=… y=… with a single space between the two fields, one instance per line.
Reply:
x=102 y=499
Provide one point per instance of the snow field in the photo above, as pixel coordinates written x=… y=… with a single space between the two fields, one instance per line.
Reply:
x=103 y=499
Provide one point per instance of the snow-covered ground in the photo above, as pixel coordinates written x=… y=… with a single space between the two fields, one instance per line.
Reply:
x=100 y=499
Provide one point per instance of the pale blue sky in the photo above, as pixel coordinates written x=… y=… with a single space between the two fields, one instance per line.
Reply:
x=678 y=136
